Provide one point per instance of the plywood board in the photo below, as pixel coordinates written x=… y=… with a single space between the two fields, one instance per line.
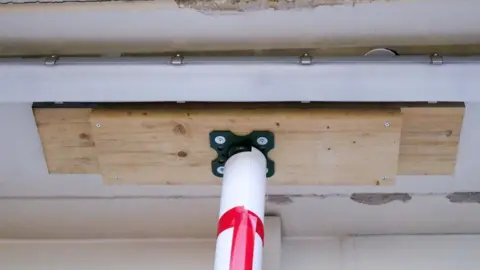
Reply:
x=314 y=146
x=430 y=138
x=428 y=144
x=67 y=143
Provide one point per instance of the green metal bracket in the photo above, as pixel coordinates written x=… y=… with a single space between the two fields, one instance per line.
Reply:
x=228 y=144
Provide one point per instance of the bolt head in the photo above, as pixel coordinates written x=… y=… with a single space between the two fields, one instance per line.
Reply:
x=262 y=141
x=220 y=140
x=384 y=178
x=221 y=169
x=98 y=125
x=387 y=124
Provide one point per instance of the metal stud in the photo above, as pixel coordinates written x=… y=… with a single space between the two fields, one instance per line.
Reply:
x=306 y=59
x=436 y=59
x=220 y=139
x=51 y=60
x=262 y=141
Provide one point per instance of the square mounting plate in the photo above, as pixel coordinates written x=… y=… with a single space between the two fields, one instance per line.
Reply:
x=227 y=144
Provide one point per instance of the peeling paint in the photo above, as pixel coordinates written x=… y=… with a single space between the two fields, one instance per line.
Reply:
x=279 y=199
x=464 y=197
x=282 y=198
x=20 y=2
x=253 y=5
x=380 y=198
x=219 y=5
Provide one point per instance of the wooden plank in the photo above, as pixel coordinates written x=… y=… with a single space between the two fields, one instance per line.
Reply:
x=428 y=145
x=61 y=115
x=429 y=141
x=314 y=146
x=66 y=139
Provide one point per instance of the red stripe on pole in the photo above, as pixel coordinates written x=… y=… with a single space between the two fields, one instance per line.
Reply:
x=245 y=224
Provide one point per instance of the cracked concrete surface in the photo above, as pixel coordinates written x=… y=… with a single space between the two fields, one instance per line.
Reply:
x=253 y=5
x=279 y=199
x=380 y=198
x=464 y=197
x=220 y=5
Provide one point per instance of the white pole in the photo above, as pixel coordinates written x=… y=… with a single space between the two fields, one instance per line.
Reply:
x=240 y=232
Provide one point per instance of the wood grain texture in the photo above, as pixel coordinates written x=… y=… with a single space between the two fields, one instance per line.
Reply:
x=430 y=138
x=66 y=139
x=313 y=146
x=428 y=144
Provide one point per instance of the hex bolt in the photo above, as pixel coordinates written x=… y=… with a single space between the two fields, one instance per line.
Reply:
x=97 y=125
x=262 y=141
x=387 y=124
x=220 y=140
x=220 y=169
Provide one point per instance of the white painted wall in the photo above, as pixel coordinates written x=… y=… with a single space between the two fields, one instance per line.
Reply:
x=353 y=253
x=418 y=252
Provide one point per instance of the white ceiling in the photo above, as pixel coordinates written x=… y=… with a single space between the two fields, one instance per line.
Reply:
x=34 y=204
x=160 y=25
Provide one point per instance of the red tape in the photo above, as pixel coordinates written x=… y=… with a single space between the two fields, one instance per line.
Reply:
x=245 y=224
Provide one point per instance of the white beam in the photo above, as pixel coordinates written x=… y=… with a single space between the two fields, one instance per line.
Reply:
x=100 y=27
x=272 y=250
x=240 y=82
x=126 y=254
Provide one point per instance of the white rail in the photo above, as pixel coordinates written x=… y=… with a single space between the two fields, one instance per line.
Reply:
x=249 y=79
